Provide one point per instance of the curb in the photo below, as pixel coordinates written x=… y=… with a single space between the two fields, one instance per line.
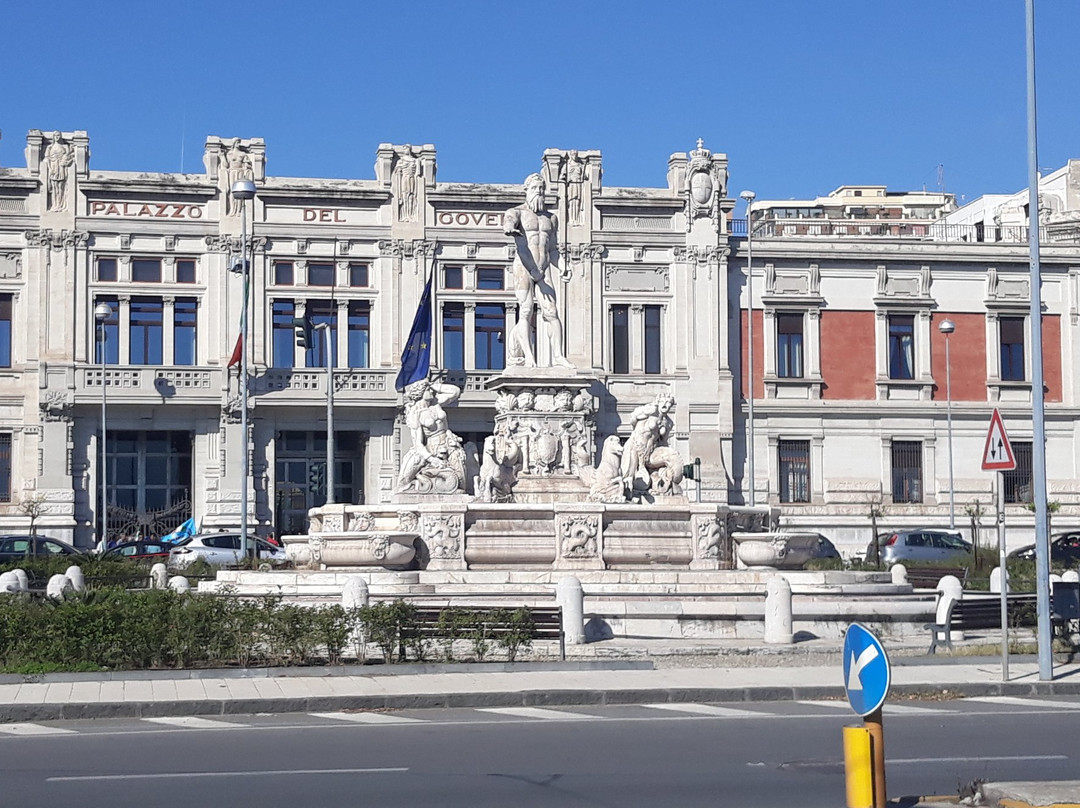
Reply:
x=517 y=698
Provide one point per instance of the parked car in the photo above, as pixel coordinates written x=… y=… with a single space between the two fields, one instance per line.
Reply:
x=1064 y=549
x=14 y=547
x=222 y=549
x=803 y=547
x=925 y=545
x=149 y=550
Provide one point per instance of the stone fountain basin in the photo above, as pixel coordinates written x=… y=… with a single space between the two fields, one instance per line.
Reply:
x=374 y=549
x=783 y=550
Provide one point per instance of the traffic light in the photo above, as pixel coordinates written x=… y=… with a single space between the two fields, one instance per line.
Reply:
x=303 y=331
x=317 y=477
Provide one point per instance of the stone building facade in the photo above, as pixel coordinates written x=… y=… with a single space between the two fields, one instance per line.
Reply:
x=848 y=377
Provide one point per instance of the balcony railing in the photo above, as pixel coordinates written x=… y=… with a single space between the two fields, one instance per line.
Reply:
x=1064 y=232
x=135 y=383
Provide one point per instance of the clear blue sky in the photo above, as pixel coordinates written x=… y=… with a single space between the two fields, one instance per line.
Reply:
x=802 y=95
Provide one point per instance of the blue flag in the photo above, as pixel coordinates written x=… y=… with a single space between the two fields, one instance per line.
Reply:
x=416 y=358
x=185 y=530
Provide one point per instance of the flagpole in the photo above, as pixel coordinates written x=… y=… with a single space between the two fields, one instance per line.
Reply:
x=436 y=318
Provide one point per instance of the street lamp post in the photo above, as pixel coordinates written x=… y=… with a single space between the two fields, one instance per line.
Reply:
x=244 y=191
x=327 y=333
x=102 y=312
x=947 y=327
x=749 y=197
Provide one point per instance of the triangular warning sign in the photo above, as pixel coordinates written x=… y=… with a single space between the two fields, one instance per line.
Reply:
x=998 y=453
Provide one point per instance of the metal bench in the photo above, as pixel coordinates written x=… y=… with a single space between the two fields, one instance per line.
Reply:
x=982 y=612
x=928 y=577
x=546 y=622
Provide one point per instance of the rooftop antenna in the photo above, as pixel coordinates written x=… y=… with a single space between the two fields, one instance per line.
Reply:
x=941 y=177
x=183 y=129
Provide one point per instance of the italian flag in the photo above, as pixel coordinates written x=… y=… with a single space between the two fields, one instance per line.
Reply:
x=238 y=350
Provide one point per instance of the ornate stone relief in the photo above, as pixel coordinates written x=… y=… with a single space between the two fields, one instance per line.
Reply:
x=442 y=534
x=406 y=181
x=578 y=535
x=706 y=184
x=710 y=537
x=56 y=406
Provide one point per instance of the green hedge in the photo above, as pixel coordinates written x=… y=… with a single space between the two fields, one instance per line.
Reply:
x=110 y=628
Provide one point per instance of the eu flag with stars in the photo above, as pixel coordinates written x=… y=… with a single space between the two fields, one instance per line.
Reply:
x=416 y=358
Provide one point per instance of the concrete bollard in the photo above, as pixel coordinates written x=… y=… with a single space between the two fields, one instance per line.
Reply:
x=354 y=594
x=75 y=575
x=899 y=574
x=180 y=584
x=570 y=596
x=1070 y=577
x=24 y=580
x=951 y=589
x=778 y=611
x=57 y=586
x=159 y=576
x=995 y=580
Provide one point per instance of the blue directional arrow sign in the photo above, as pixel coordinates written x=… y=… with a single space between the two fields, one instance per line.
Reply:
x=867 y=674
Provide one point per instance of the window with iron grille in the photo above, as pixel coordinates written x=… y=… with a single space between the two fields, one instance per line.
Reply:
x=1011 y=331
x=907 y=485
x=1018 y=482
x=789 y=346
x=5 y=467
x=901 y=346
x=794 y=464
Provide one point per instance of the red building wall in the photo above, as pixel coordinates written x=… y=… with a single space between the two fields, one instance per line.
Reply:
x=967 y=355
x=847 y=355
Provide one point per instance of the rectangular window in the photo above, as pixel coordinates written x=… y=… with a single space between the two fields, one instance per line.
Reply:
x=452 y=277
x=106 y=269
x=901 y=346
x=1019 y=486
x=321 y=313
x=283 y=273
x=652 y=339
x=1011 y=330
x=5 y=330
x=320 y=274
x=789 y=346
x=144 y=333
x=146 y=270
x=907 y=471
x=453 y=336
x=282 y=313
x=794 y=465
x=185 y=318
x=109 y=331
x=490 y=342
x=620 y=339
x=185 y=271
x=359 y=334
x=358 y=275
x=490 y=278
x=5 y=467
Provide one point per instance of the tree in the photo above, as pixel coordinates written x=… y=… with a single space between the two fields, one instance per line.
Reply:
x=975 y=512
x=876 y=509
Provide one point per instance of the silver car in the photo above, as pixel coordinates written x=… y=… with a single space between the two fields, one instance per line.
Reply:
x=926 y=545
x=222 y=549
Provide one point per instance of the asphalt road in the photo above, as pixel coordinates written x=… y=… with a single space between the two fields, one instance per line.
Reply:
x=751 y=755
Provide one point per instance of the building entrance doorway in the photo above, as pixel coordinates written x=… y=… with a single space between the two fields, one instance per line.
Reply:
x=149 y=483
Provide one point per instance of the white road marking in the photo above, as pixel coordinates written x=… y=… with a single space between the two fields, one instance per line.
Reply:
x=369 y=718
x=705 y=709
x=536 y=712
x=887 y=708
x=1024 y=702
x=33 y=729
x=193 y=722
x=180 y=775
x=977 y=759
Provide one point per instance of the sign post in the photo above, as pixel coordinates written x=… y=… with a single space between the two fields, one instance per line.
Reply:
x=998 y=457
x=867 y=677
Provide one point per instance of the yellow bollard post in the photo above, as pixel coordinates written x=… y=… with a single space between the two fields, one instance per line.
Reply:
x=858 y=768
x=875 y=726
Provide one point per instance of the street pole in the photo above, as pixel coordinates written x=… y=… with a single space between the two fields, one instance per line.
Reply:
x=1038 y=432
x=749 y=197
x=327 y=333
x=102 y=312
x=999 y=478
x=243 y=191
x=947 y=327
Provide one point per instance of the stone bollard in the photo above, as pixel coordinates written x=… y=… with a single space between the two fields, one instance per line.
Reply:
x=569 y=595
x=899 y=574
x=24 y=581
x=75 y=575
x=9 y=583
x=159 y=576
x=180 y=584
x=778 y=611
x=354 y=594
x=951 y=589
x=995 y=580
x=57 y=586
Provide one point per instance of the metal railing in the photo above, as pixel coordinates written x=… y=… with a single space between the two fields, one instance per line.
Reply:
x=1060 y=233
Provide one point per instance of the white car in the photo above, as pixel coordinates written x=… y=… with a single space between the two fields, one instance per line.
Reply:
x=222 y=550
